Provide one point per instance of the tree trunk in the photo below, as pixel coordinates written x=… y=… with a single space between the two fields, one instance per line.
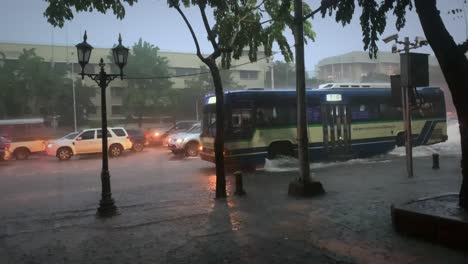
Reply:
x=454 y=65
x=219 y=138
x=302 y=136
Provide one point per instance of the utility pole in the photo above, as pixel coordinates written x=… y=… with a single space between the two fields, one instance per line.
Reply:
x=409 y=81
x=302 y=135
x=74 y=98
x=305 y=187
x=272 y=75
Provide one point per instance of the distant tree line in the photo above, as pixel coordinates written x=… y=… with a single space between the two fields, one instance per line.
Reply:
x=30 y=86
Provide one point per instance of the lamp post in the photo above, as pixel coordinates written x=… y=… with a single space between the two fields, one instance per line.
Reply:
x=120 y=55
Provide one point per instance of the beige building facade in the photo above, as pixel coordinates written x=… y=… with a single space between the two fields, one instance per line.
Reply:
x=353 y=66
x=247 y=74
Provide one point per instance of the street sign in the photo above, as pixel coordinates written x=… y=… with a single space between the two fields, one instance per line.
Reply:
x=395 y=83
x=414 y=69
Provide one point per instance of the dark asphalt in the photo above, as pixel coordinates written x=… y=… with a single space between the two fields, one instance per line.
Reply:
x=168 y=213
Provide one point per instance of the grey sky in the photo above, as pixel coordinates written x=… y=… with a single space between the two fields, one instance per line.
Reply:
x=22 y=21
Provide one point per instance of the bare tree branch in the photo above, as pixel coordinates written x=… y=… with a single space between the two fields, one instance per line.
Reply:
x=199 y=54
x=324 y=5
x=216 y=53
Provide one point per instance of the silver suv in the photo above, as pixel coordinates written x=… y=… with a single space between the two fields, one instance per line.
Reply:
x=187 y=142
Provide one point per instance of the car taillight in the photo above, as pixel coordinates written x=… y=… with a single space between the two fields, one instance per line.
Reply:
x=129 y=138
x=6 y=147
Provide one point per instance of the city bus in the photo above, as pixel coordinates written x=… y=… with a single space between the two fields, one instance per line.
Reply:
x=343 y=123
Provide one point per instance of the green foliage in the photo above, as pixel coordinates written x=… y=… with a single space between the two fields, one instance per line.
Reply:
x=285 y=77
x=32 y=87
x=146 y=96
x=239 y=25
x=203 y=83
x=58 y=11
x=373 y=18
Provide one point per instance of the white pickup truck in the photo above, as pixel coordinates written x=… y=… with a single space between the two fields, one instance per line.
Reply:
x=22 y=149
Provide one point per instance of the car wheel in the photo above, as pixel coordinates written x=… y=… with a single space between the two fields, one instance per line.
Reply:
x=191 y=149
x=21 y=154
x=137 y=147
x=115 y=150
x=64 y=154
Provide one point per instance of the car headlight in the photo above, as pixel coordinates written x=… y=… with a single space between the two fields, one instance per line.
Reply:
x=50 y=145
x=179 y=140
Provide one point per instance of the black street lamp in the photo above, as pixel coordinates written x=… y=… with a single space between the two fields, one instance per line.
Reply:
x=120 y=54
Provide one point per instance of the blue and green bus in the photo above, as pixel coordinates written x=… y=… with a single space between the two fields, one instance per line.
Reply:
x=342 y=123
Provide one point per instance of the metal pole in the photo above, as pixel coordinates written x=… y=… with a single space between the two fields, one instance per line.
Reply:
x=74 y=98
x=407 y=112
x=106 y=205
x=408 y=137
x=272 y=76
x=302 y=137
x=196 y=109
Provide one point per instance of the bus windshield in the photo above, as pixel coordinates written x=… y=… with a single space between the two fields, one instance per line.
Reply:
x=209 y=122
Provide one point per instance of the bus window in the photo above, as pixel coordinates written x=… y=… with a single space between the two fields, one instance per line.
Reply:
x=314 y=115
x=389 y=112
x=286 y=116
x=364 y=112
x=209 y=123
x=265 y=116
x=241 y=122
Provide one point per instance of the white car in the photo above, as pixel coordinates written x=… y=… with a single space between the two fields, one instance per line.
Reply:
x=89 y=141
x=187 y=143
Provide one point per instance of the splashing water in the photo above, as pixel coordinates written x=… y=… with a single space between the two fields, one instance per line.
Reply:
x=291 y=164
x=449 y=147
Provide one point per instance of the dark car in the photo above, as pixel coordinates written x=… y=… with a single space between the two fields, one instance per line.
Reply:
x=138 y=139
x=179 y=127
x=5 y=153
x=158 y=136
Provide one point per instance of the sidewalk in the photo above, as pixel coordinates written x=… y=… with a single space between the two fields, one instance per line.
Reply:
x=350 y=224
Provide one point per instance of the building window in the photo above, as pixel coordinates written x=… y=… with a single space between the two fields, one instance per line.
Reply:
x=116 y=91
x=116 y=110
x=89 y=68
x=186 y=71
x=248 y=75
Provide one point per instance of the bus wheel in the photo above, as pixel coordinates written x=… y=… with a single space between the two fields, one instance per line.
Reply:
x=280 y=149
x=21 y=153
x=400 y=139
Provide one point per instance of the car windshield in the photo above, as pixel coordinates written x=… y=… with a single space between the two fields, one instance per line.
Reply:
x=196 y=129
x=71 y=135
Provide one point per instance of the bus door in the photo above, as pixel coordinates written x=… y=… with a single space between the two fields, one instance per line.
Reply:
x=336 y=121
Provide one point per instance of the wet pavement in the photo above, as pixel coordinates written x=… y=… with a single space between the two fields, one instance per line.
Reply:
x=168 y=213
